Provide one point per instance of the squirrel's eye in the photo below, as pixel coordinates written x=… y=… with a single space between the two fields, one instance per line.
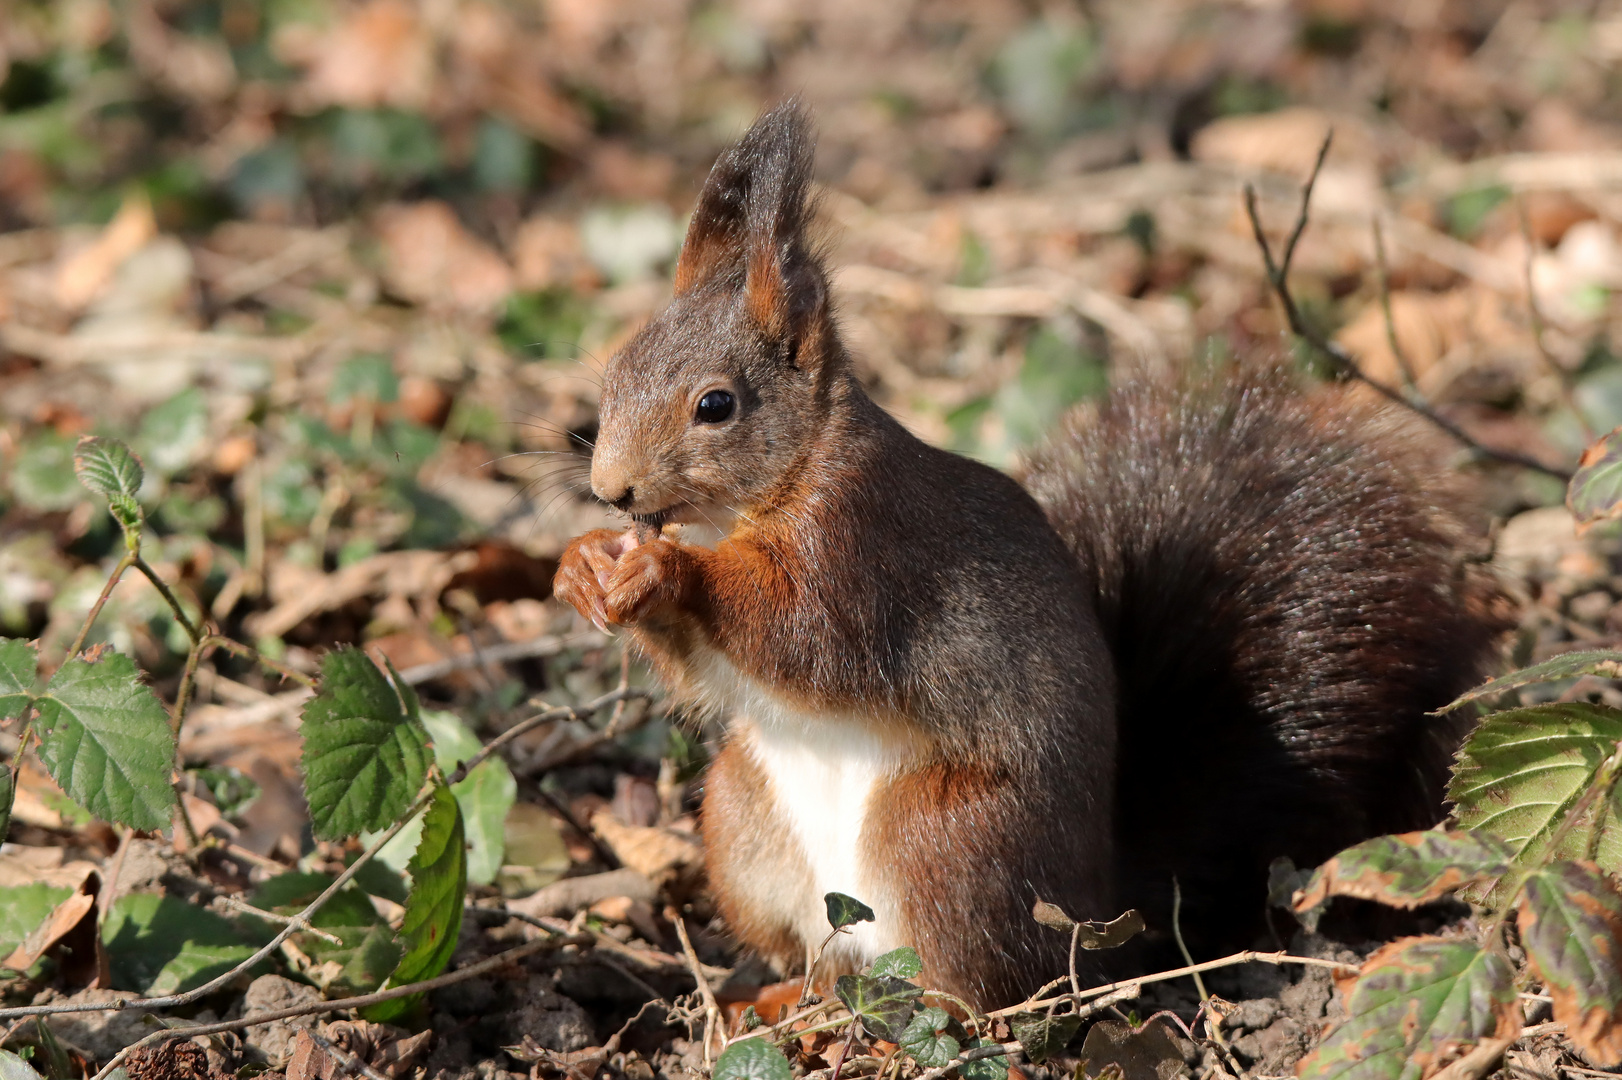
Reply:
x=714 y=407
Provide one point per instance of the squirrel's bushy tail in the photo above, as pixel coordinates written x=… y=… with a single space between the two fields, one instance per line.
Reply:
x=1287 y=592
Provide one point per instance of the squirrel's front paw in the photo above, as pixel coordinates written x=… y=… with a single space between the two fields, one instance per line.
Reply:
x=586 y=569
x=648 y=579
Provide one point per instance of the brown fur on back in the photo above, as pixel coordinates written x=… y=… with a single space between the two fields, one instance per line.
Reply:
x=1285 y=599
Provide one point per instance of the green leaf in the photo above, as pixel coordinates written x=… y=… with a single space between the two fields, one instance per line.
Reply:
x=171 y=433
x=433 y=915
x=1521 y=771
x=1404 y=871
x=929 y=1039
x=902 y=963
x=752 y=1059
x=24 y=907
x=1417 y=1004
x=1595 y=491
x=365 y=750
x=1565 y=666
x=107 y=467
x=844 y=910
x=162 y=945
x=367 y=952
x=1041 y=1036
x=883 y=1005
x=986 y=1068
x=1571 y=926
x=18 y=661
x=105 y=738
x=43 y=474
x=13 y=1067
x=486 y=795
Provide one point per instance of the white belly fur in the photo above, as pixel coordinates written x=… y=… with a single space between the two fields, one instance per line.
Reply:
x=822 y=768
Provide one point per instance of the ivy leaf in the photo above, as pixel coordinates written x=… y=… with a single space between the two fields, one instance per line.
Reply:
x=752 y=1059
x=1404 y=871
x=1565 y=666
x=1041 y=1036
x=929 y=1039
x=1417 y=1005
x=433 y=915
x=1521 y=771
x=18 y=661
x=883 y=1005
x=845 y=910
x=365 y=751
x=105 y=738
x=163 y=945
x=986 y=1068
x=1571 y=926
x=1595 y=491
x=902 y=963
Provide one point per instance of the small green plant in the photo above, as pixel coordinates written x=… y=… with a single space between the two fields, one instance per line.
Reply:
x=1535 y=846
x=371 y=767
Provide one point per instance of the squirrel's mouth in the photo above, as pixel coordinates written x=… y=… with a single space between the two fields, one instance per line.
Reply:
x=656 y=519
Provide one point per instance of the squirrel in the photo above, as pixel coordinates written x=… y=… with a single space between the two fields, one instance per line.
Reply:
x=1203 y=629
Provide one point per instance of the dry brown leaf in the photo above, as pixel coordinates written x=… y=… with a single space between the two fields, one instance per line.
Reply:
x=84 y=273
x=62 y=919
x=432 y=260
x=666 y=857
x=1285 y=141
x=1428 y=326
x=548 y=254
x=380 y=55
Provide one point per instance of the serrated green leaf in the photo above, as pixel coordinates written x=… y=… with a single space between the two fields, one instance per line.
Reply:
x=1595 y=491
x=107 y=467
x=1041 y=1036
x=1565 y=666
x=18 y=662
x=1417 y=1004
x=105 y=739
x=365 y=750
x=845 y=910
x=486 y=794
x=162 y=945
x=1570 y=921
x=986 y=1068
x=929 y=1039
x=1522 y=771
x=752 y=1059
x=125 y=510
x=883 y=1005
x=13 y=1067
x=902 y=963
x=24 y=907
x=433 y=915
x=1404 y=871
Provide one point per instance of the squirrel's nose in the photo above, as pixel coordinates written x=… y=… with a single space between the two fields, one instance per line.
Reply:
x=621 y=499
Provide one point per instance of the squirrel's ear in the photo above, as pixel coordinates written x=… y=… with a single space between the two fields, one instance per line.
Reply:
x=751 y=218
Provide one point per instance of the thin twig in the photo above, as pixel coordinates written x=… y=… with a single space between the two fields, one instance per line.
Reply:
x=101 y=601
x=500 y=960
x=174 y=1001
x=1249 y=956
x=561 y=712
x=348 y=1061
x=1383 y=275
x=193 y=630
x=1278 y=278
x=979 y=1053
x=712 y=1011
x=247 y=652
x=236 y=903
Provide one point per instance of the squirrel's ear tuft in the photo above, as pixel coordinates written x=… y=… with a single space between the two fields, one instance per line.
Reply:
x=751 y=219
